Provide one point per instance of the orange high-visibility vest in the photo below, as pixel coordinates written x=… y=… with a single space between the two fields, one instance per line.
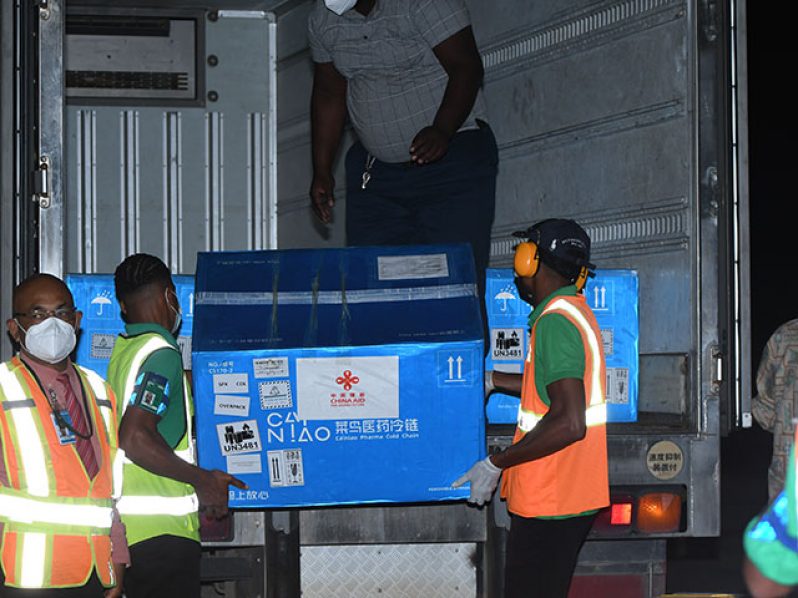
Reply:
x=574 y=479
x=56 y=521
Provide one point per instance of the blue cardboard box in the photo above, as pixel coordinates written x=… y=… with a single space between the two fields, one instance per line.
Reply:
x=613 y=297
x=509 y=339
x=339 y=376
x=102 y=321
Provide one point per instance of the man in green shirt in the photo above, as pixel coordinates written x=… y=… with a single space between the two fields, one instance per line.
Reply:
x=554 y=475
x=163 y=489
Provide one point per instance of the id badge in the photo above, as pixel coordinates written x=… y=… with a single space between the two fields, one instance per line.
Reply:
x=65 y=434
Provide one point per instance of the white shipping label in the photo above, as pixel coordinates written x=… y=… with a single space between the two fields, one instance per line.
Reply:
x=407 y=267
x=275 y=394
x=102 y=345
x=250 y=463
x=224 y=383
x=238 y=437
x=184 y=342
x=270 y=367
x=231 y=405
x=618 y=386
x=330 y=388
x=507 y=344
x=286 y=468
x=608 y=340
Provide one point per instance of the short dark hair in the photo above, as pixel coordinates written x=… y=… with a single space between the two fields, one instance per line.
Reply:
x=137 y=271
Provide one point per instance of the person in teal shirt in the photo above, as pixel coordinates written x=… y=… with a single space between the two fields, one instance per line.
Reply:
x=770 y=567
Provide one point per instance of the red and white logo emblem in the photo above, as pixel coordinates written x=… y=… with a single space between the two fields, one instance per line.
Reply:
x=347 y=380
x=331 y=388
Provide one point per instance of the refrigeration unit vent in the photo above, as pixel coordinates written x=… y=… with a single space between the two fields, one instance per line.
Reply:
x=126 y=80
x=131 y=59
x=119 y=25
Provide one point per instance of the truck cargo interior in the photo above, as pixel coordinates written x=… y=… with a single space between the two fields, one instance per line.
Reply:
x=182 y=127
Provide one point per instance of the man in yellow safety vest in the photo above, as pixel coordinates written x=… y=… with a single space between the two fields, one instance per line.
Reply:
x=162 y=487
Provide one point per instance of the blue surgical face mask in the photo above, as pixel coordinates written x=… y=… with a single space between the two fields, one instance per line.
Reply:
x=178 y=314
x=339 y=7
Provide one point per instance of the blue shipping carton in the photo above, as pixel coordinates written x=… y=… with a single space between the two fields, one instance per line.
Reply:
x=339 y=376
x=613 y=296
x=102 y=320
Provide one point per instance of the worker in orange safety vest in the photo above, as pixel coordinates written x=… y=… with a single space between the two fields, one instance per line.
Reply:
x=58 y=435
x=555 y=472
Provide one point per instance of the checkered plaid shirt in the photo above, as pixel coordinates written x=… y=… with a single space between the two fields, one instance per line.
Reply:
x=395 y=83
x=776 y=403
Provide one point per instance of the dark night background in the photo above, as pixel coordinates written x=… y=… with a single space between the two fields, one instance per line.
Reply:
x=713 y=564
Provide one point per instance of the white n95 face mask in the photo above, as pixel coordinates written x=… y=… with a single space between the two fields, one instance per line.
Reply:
x=339 y=7
x=51 y=341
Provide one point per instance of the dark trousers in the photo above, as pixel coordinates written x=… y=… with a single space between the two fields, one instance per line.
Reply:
x=448 y=201
x=541 y=555
x=164 y=567
x=92 y=589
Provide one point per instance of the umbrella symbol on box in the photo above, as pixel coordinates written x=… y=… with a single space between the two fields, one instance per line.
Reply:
x=504 y=297
x=100 y=301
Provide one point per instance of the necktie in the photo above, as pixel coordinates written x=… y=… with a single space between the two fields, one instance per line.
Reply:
x=73 y=407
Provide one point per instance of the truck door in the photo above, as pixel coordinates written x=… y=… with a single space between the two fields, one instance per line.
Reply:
x=623 y=115
x=31 y=109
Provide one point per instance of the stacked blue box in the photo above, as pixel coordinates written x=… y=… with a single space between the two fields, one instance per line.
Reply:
x=102 y=321
x=339 y=376
x=509 y=339
x=613 y=296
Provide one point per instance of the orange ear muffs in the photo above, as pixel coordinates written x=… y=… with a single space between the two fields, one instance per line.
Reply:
x=581 y=278
x=527 y=260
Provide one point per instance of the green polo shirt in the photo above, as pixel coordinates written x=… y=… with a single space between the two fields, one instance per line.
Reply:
x=168 y=365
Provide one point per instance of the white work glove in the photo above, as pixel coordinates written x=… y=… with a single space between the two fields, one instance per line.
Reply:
x=483 y=476
x=489 y=386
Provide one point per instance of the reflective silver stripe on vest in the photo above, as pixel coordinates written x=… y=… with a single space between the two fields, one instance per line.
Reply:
x=527 y=420
x=32 y=511
x=26 y=404
x=158 y=505
x=31 y=449
x=596 y=395
x=595 y=415
x=596 y=412
x=101 y=397
x=187 y=454
x=34 y=547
